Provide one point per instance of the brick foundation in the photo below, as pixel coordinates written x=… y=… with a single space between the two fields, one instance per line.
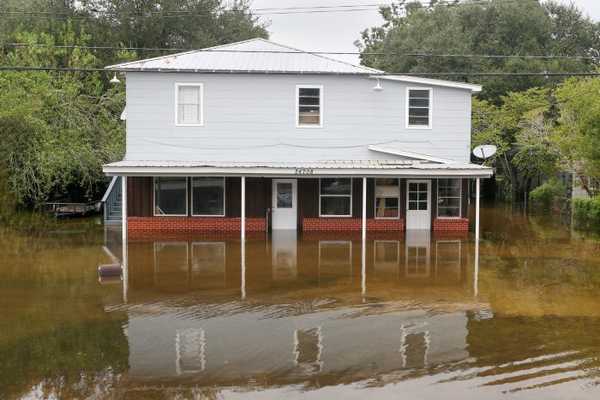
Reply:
x=351 y=224
x=451 y=225
x=193 y=224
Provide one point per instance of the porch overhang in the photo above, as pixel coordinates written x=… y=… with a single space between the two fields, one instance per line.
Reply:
x=354 y=168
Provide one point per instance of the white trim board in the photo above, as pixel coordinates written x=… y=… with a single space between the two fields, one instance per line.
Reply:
x=429 y=81
x=409 y=154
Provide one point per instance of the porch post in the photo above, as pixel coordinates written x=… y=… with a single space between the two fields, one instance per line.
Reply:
x=364 y=208
x=243 y=206
x=124 y=208
x=124 y=246
x=477 y=194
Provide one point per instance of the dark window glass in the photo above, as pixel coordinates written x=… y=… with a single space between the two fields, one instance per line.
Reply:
x=208 y=196
x=449 y=197
x=336 y=186
x=170 y=196
x=418 y=107
x=309 y=106
x=335 y=205
x=284 y=195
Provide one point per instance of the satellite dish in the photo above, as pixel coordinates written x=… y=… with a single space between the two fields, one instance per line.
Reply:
x=485 y=151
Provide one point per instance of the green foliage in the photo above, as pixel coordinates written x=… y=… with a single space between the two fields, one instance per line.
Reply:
x=586 y=213
x=58 y=129
x=496 y=27
x=548 y=196
x=578 y=133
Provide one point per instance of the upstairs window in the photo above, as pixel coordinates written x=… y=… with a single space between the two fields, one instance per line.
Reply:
x=418 y=108
x=387 y=198
x=309 y=107
x=449 y=198
x=335 y=197
x=188 y=104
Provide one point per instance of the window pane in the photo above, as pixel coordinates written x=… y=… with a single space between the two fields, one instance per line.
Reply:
x=419 y=112
x=387 y=187
x=309 y=91
x=423 y=94
x=449 y=212
x=189 y=103
x=387 y=207
x=449 y=198
x=419 y=103
x=423 y=206
x=335 y=205
x=423 y=187
x=424 y=121
x=413 y=205
x=208 y=196
x=284 y=195
x=169 y=196
x=309 y=103
x=336 y=186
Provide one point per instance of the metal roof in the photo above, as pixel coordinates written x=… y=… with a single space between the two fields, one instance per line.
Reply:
x=249 y=56
x=333 y=167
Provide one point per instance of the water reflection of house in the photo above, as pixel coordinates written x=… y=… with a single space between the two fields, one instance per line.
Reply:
x=208 y=334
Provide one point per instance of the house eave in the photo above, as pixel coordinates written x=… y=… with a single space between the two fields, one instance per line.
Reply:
x=411 y=172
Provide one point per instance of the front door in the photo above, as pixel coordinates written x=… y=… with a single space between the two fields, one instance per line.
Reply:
x=285 y=204
x=418 y=204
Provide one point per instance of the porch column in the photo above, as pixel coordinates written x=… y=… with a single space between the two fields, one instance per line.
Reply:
x=364 y=208
x=477 y=194
x=124 y=208
x=124 y=245
x=243 y=207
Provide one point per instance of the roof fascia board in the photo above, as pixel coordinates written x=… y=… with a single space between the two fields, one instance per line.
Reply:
x=429 y=81
x=292 y=172
x=409 y=154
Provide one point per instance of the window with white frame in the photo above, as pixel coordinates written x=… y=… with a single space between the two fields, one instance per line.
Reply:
x=170 y=196
x=449 y=198
x=188 y=104
x=387 y=198
x=309 y=107
x=335 y=197
x=208 y=196
x=418 y=108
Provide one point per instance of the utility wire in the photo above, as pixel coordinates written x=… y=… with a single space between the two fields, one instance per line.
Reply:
x=250 y=12
x=421 y=74
x=366 y=53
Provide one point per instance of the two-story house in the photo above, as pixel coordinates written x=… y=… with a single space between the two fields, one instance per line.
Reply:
x=252 y=135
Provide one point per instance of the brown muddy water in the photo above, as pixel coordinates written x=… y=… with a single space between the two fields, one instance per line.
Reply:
x=310 y=317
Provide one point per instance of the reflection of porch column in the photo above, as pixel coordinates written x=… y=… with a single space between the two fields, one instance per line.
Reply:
x=243 y=268
x=243 y=208
x=364 y=208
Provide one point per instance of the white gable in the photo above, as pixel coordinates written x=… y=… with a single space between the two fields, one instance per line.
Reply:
x=250 y=56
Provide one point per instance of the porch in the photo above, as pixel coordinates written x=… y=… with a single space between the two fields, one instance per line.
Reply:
x=375 y=196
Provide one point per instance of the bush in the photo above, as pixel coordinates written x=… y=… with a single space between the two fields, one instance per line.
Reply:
x=550 y=195
x=586 y=213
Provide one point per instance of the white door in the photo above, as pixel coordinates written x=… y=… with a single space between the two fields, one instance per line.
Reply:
x=285 y=204
x=418 y=204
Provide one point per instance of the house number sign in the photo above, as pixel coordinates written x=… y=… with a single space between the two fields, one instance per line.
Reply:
x=304 y=171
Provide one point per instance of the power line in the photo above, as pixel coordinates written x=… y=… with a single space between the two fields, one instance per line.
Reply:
x=417 y=74
x=252 y=12
x=366 y=53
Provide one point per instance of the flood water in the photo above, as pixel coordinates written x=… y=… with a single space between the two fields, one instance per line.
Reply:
x=413 y=316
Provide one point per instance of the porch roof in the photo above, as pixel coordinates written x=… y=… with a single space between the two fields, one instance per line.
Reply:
x=369 y=168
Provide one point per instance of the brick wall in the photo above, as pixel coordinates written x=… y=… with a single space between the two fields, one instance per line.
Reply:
x=451 y=225
x=351 y=224
x=193 y=224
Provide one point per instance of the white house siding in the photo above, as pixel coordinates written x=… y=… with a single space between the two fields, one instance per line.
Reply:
x=252 y=117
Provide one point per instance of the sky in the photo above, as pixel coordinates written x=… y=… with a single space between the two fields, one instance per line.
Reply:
x=339 y=31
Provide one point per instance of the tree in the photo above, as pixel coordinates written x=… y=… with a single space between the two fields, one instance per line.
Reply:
x=497 y=27
x=578 y=131
x=521 y=127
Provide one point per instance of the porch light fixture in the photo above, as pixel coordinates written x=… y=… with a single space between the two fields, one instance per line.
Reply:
x=378 y=87
x=115 y=80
